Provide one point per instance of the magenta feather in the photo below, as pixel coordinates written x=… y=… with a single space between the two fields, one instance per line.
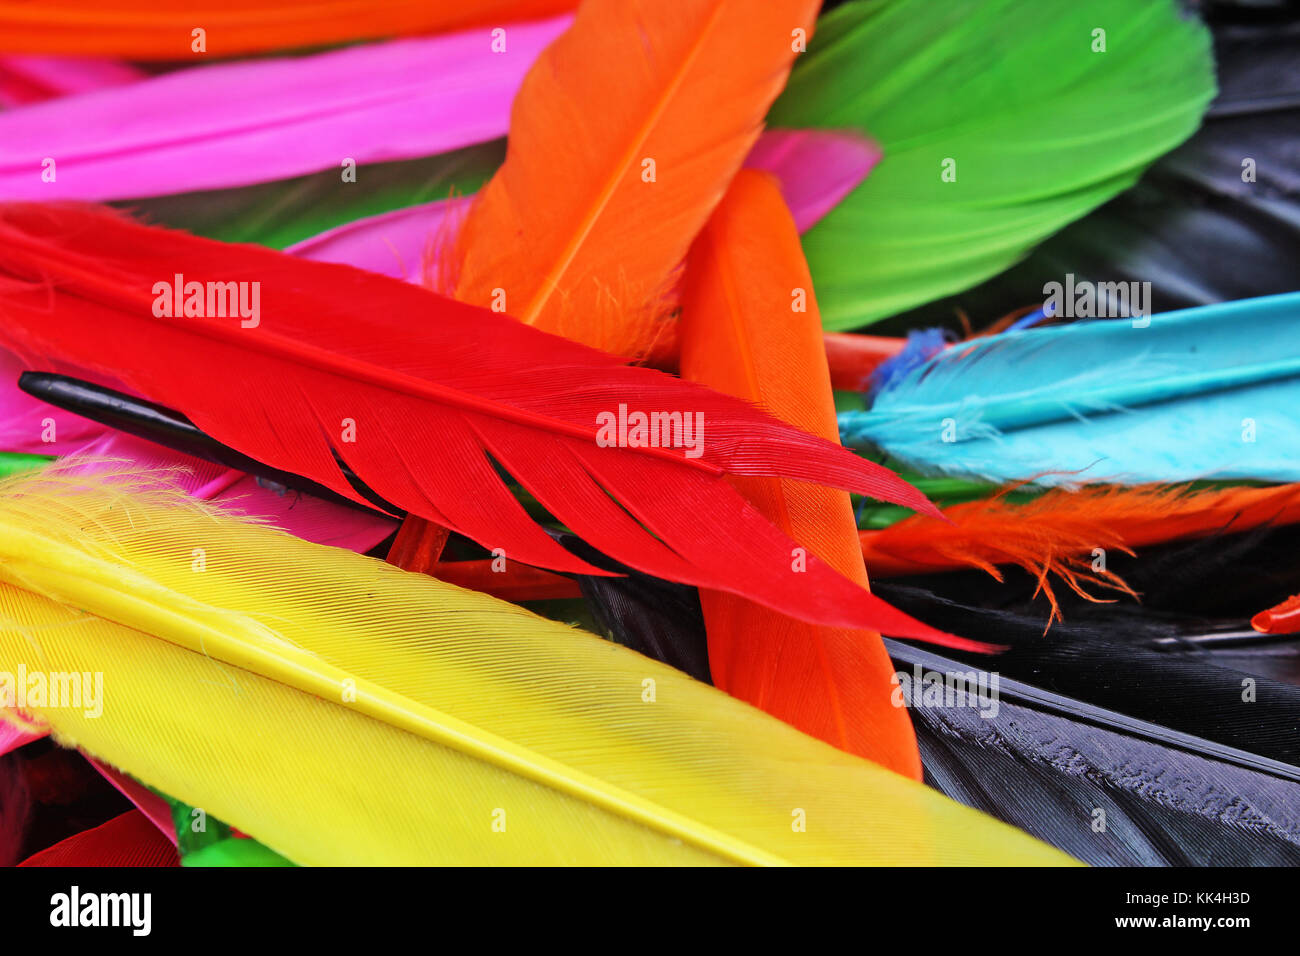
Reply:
x=816 y=168
x=28 y=425
x=304 y=516
x=395 y=244
x=11 y=737
x=231 y=124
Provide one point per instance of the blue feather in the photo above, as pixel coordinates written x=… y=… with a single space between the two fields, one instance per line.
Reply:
x=1210 y=392
x=922 y=345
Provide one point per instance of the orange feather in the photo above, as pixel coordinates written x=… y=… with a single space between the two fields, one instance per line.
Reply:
x=623 y=138
x=1057 y=533
x=741 y=333
x=162 y=29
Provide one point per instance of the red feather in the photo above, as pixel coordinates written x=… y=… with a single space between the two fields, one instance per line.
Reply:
x=127 y=840
x=419 y=395
x=1282 y=619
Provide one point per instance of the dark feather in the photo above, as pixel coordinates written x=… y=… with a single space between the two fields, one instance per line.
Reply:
x=15 y=808
x=1105 y=796
x=1144 y=668
x=657 y=618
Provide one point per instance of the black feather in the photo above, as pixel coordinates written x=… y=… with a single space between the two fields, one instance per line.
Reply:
x=1185 y=658
x=1104 y=792
x=657 y=618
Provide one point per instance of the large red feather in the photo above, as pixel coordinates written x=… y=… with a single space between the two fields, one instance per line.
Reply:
x=419 y=395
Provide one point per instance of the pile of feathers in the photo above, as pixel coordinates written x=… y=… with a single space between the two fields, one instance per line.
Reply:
x=608 y=432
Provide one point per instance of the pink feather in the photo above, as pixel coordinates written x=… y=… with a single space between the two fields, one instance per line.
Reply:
x=816 y=168
x=231 y=124
x=12 y=737
x=307 y=517
x=32 y=427
x=394 y=244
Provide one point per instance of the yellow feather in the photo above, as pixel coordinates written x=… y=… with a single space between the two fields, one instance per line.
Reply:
x=345 y=712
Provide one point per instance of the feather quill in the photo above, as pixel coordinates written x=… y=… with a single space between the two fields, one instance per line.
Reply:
x=334 y=372
x=741 y=335
x=162 y=29
x=649 y=109
x=1204 y=393
x=230 y=124
x=302 y=683
x=1283 y=618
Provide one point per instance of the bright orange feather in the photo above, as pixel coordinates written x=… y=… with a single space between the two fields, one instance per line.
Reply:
x=740 y=334
x=623 y=138
x=1056 y=533
x=161 y=29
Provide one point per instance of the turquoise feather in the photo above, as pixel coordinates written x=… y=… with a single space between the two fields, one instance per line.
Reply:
x=1205 y=393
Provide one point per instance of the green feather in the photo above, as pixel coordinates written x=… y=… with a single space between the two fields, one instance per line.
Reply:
x=278 y=214
x=236 y=852
x=1042 y=129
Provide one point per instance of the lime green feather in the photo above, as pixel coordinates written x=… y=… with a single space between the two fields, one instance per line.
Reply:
x=1039 y=124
